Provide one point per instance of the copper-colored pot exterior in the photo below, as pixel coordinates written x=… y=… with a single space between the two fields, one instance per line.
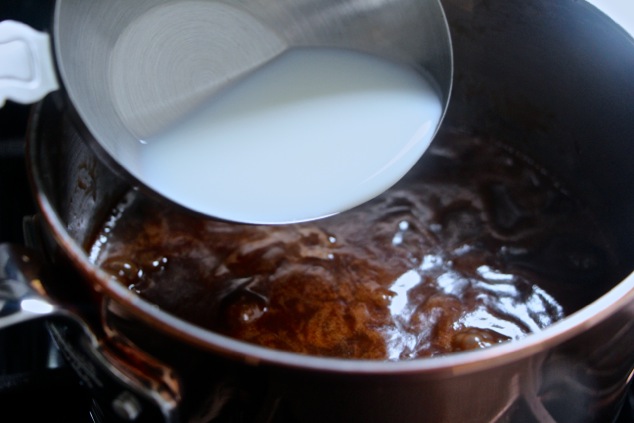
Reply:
x=551 y=77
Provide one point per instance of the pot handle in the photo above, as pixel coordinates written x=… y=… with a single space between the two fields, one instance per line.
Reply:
x=27 y=72
x=129 y=391
x=21 y=292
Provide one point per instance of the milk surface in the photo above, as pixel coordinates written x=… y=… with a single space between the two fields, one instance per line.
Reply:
x=310 y=134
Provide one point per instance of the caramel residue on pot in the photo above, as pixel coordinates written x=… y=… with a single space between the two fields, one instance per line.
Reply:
x=479 y=248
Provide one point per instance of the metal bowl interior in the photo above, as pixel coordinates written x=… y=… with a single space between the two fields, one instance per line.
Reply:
x=131 y=70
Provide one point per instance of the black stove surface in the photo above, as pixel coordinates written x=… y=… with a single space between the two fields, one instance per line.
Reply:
x=36 y=384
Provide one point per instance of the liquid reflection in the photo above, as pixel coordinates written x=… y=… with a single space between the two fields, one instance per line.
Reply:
x=481 y=248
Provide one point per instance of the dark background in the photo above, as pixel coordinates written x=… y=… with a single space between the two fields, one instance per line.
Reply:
x=15 y=197
x=31 y=388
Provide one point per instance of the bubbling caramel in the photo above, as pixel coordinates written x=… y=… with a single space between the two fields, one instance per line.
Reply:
x=479 y=247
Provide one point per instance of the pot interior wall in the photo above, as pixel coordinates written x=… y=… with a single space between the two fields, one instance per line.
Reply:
x=551 y=78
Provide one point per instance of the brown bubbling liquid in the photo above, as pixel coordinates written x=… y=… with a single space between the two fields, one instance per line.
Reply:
x=480 y=248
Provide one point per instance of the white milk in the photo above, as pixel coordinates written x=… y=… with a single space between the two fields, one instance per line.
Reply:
x=312 y=133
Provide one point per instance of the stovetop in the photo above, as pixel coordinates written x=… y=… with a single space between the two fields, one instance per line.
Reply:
x=36 y=384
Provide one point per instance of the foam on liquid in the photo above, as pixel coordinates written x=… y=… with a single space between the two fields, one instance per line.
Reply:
x=313 y=133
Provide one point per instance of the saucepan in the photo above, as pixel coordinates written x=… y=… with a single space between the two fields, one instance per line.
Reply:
x=133 y=70
x=551 y=79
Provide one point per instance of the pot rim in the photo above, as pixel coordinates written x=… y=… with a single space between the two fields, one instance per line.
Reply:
x=461 y=363
x=452 y=364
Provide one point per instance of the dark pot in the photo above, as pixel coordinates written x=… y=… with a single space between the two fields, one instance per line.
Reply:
x=553 y=79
